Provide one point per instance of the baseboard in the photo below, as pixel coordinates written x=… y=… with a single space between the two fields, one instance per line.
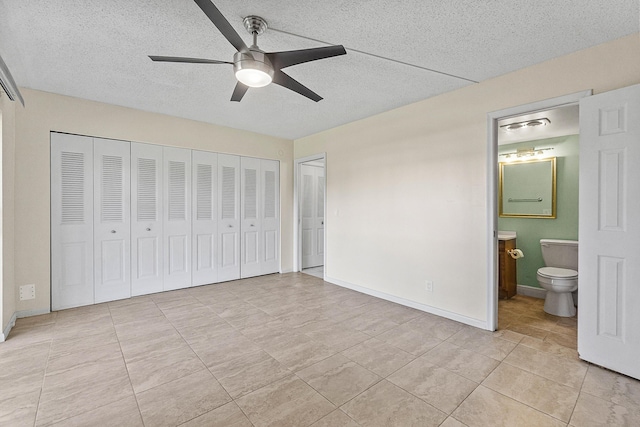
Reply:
x=11 y=324
x=531 y=291
x=408 y=303
x=29 y=313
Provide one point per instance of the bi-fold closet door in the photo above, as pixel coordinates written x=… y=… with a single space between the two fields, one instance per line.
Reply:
x=90 y=220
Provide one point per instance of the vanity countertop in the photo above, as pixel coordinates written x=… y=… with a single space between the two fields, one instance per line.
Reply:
x=506 y=235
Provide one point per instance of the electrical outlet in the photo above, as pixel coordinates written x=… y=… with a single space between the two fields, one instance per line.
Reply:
x=429 y=286
x=27 y=292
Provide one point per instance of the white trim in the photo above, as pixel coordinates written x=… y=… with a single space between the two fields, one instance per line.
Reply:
x=531 y=291
x=29 y=313
x=297 y=247
x=492 y=187
x=11 y=324
x=399 y=300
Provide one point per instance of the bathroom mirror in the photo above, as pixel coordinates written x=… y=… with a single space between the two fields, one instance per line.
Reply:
x=528 y=188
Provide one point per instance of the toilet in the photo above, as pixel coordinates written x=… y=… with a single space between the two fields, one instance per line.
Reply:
x=559 y=276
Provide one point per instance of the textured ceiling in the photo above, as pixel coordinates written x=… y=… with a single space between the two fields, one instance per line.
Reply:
x=98 y=50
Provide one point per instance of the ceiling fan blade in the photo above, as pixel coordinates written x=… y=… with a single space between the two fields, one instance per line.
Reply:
x=188 y=60
x=292 y=57
x=222 y=24
x=282 y=79
x=239 y=92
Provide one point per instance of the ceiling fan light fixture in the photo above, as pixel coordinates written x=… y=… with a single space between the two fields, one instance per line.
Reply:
x=252 y=69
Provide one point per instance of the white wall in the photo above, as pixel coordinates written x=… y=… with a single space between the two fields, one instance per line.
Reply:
x=406 y=189
x=45 y=112
x=7 y=137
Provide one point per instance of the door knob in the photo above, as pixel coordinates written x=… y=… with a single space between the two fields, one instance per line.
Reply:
x=252 y=225
x=113 y=231
x=148 y=229
x=229 y=226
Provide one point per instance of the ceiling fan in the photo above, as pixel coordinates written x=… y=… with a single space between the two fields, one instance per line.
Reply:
x=254 y=67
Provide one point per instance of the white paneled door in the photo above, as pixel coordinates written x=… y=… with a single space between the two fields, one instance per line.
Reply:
x=250 y=224
x=312 y=215
x=146 y=219
x=204 y=225
x=177 y=217
x=270 y=216
x=111 y=214
x=71 y=221
x=228 y=217
x=609 y=260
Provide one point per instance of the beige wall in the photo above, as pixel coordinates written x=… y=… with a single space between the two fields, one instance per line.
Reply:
x=7 y=128
x=47 y=112
x=407 y=189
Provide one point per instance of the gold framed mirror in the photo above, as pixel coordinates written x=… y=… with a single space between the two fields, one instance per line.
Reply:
x=528 y=189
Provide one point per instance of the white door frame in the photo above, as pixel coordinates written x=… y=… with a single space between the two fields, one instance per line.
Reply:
x=492 y=187
x=297 y=244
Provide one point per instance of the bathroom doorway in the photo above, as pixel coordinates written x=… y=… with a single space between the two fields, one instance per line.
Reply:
x=310 y=210
x=545 y=129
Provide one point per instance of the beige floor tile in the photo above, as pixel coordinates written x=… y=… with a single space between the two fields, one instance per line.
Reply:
x=82 y=382
x=297 y=351
x=21 y=336
x=143 y=329
x=556 y=368
x=285 y=403
x=386 y=405
x=485 y=407
x=526 y=329
x=437 y=386
x=482 y=342
x=440 y=327
x=248 y=372
x=162 y=367
x=338 y=378
x=19 y=410
x=570 y=341
x=222 y=348
x=117 y=414
x=22 y=368
x=550 y=347
x=612 y=386
x=79 y=326
x=228 y=415
x=458 y=360
x=67 y=346
x=592 y=411
x=452 y=422
x=336 y=419
x=181 y=400
x=370 y=323
x=410 y=339
x=143 y=309
x=32 y=321
x=154 y=345
x=338 y=337
x=540 y=393
x=378 y=357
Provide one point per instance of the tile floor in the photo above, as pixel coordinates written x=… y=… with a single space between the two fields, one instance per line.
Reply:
x=292 y=350
x=315 y=271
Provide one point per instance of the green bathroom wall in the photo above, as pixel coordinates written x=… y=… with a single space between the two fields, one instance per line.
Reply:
x=565 y=225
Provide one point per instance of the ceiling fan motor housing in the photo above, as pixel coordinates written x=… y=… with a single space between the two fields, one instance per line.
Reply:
x=250 y=62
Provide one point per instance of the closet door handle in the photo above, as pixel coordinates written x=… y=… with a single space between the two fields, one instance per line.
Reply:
x=251 y=225
x=229 y=226
x=113 y=231
x=148 y=229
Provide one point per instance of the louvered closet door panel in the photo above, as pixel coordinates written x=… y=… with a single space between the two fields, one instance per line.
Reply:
x=71 y=221
x=147 y=267
x=228 y=217
x=205 y=233
x=270 y=217
x=177 y=218
x=112 y=226
x=250 y=228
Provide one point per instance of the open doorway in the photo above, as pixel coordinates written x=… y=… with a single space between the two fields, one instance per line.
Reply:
x=543 y=129
x=310 y=210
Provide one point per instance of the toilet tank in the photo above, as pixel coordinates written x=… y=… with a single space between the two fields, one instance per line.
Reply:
x=560 y=253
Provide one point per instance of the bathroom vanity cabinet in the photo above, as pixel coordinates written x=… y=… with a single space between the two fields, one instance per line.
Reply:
x=507 y=281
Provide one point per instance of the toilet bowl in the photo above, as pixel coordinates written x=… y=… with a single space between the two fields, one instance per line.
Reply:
x=559 y=283
x=560 y=276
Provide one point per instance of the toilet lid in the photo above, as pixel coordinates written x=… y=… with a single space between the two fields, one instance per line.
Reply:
x=558 y=273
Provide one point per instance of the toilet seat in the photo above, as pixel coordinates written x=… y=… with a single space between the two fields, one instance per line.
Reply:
x=557 y=273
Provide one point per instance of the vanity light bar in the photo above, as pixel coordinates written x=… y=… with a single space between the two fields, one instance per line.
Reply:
x=526 y=152
x=528 y=123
